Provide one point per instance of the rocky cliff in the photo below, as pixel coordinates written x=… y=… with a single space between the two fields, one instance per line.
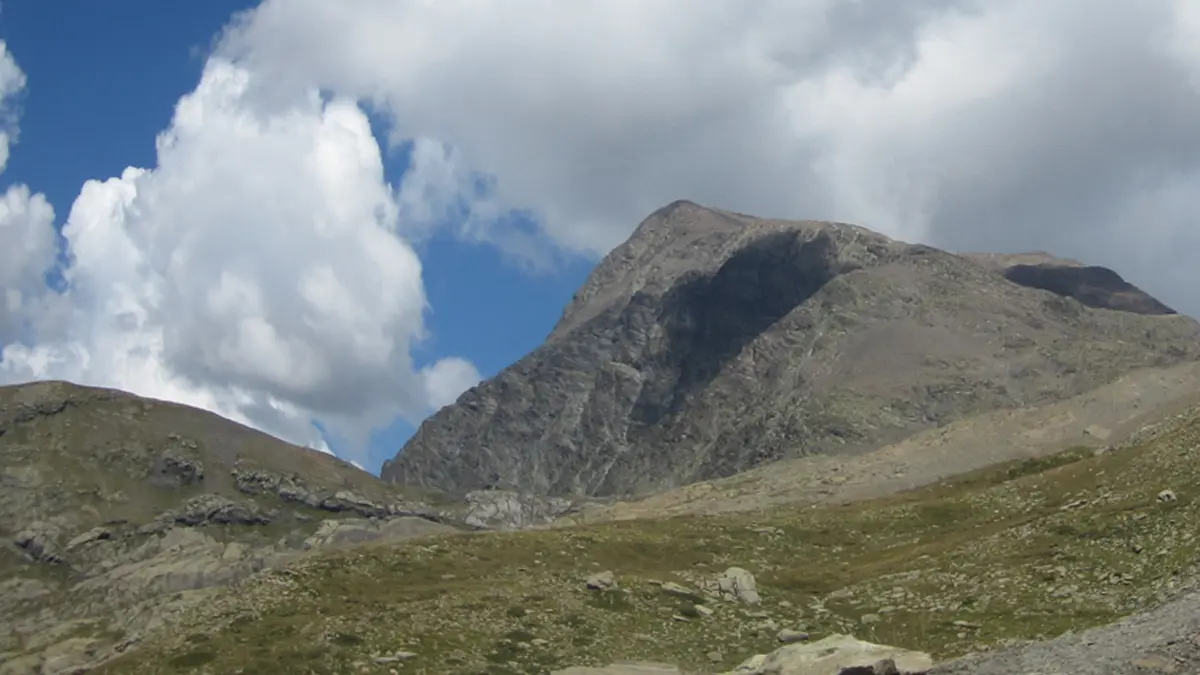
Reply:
x=713 y=342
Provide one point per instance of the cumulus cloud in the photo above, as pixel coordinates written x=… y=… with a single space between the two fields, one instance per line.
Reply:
x=27 y=251
x=448 y=378
x=255 y=271
x=972 y=124
x=28 y=244
x=12 y=81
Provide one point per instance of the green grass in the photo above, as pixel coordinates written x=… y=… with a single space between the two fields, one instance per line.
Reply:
x=1023 y=550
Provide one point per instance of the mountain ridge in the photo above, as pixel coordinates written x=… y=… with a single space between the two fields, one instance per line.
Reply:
x=711 y=342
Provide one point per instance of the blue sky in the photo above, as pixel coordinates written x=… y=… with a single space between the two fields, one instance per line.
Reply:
x=104 y=79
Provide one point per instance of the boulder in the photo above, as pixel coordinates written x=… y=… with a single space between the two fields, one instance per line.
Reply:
x=39 y=540
x=294 y=492
x=737 y=584
x=173 y=469
x=837 y=655
x=94 y=534
x=601 y=581
x=345 y=500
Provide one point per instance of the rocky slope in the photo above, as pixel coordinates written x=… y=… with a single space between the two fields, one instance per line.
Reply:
x=1163 y=641
x=712 y=342
x=1097 y=419
x=117 y=511
x=982 y=563
x=180 y=543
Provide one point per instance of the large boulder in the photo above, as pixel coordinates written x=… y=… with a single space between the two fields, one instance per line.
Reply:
x=735 y=584
x=837 y=655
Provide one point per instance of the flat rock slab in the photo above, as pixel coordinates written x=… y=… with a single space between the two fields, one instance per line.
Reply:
x=837 y=655
x=623 y=668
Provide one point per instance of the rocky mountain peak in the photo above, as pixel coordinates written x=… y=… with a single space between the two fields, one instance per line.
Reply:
x=682 y=238
x=711 y=342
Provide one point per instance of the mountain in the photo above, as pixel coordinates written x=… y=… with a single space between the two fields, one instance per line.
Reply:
x=117 y=512
x=714 y=342
x=1049 y=487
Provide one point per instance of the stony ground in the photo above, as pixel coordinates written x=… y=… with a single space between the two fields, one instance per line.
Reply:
x=1023 y=551
x=1101 y=417
x=1165 y=640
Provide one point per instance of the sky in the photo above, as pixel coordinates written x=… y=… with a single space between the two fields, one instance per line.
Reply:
x=327 y=220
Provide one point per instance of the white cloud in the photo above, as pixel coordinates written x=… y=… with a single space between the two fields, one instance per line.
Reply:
x=27 y=240
x=431 y=188
x=968 y=123
x=12 y=81
x=255 y=271
x=27 y=252
x=448 y=378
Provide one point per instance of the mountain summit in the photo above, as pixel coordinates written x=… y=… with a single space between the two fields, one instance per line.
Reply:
x=712 y=342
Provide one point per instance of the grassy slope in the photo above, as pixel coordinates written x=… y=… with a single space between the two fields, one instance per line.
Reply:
x=81 y=457
x=1020 y=551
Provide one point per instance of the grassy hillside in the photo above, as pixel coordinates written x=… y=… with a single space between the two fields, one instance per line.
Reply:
x=1019 y=551
x=116 y=511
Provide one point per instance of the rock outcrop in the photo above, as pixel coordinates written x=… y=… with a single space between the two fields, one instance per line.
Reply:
x=712 y=342
x=834 y=655
x=510 y=510
x=350 y=531
x=837 y=655
x=293 y=489
x=735 y=584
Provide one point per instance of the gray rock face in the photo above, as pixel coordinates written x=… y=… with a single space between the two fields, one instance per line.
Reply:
x=713 y=342
x=507 y=510
x=218 y=510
